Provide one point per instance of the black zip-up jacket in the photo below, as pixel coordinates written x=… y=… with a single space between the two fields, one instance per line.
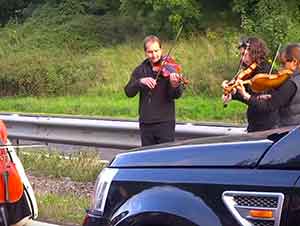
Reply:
x=156 y=105
x=285 y=98
x=290 y=112
x=259 y=119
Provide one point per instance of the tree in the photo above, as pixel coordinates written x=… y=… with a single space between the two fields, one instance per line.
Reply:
x=164 y=16
x=271 y=19
x=11 y=8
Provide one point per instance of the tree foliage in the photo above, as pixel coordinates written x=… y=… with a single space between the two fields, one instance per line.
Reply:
x=102 y=7
x=271 y=19
x=10 y=8
x=164 y=16
x=275 y=21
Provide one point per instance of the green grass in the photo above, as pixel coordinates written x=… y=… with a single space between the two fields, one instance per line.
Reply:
x=117 y=105
x=209 y=109
x=81 y=166
x=62 y=208
x=66 y=210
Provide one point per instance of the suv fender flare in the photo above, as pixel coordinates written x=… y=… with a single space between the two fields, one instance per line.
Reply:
x=166 y=201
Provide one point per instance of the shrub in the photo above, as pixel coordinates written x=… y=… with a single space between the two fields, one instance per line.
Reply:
x=40 y=75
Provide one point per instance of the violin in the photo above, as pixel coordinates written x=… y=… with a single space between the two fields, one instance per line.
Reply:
x=166 y=66
x=263 y=82
x=243 y=75
x=11 y=185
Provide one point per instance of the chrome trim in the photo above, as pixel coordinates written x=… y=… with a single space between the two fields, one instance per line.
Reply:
x=102 y=187
x=240 y=213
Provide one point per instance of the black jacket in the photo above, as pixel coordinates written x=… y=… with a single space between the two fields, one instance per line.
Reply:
x=290 y=111
x=156 y=105
x=259 y=119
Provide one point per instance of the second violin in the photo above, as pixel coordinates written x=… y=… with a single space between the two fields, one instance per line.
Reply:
x=166 y=66
x=262 y=82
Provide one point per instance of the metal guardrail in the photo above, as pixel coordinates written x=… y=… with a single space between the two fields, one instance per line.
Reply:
x=98 y=132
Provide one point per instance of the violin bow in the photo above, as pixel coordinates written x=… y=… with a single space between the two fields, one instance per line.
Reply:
x=176 y=38
x=169 y=52
x=239 y=67
x=275 y=57
x=242 y=59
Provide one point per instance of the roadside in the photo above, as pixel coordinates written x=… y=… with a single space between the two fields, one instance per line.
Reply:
x=61 y=186
x=61 y=201
x=59 y=190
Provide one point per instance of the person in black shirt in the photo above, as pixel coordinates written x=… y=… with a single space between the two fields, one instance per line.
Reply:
x=286 y=97
x=156 y=96
x=254 y=55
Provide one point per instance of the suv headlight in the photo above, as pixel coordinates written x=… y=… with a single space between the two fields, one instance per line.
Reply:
x=102 y=185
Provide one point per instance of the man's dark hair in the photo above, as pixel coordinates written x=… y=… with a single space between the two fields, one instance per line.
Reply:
x=291 y=52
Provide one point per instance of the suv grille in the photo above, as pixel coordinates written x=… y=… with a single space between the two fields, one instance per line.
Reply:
x=263 y=223
x=242 y=204
x=270 y=202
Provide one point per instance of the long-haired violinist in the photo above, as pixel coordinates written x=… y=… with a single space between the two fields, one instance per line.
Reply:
x=253 y=60
x=286 y=97
x=159 y=82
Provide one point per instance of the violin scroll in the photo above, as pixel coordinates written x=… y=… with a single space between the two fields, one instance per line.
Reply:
x=228 y=87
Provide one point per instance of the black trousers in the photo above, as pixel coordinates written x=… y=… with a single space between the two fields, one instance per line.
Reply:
x=157 y=133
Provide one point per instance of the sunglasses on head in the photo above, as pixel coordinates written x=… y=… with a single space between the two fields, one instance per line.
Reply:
x=244 y=43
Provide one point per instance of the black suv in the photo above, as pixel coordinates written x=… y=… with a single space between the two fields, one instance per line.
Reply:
x=250 y=179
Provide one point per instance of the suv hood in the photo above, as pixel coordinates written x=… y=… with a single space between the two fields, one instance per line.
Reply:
x=213 y=152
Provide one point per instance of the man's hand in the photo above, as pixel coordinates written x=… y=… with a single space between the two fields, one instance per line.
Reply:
x=224 y=84
x=227 y=89
x=175 y=79
x=264 y=97
x=226 y=98
x=149 y=82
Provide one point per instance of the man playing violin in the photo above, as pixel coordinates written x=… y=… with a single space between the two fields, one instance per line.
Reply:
x=157 y=95
x=253 y=61
x=286 y=97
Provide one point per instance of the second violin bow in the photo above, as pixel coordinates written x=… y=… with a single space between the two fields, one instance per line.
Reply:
x=275 y=57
